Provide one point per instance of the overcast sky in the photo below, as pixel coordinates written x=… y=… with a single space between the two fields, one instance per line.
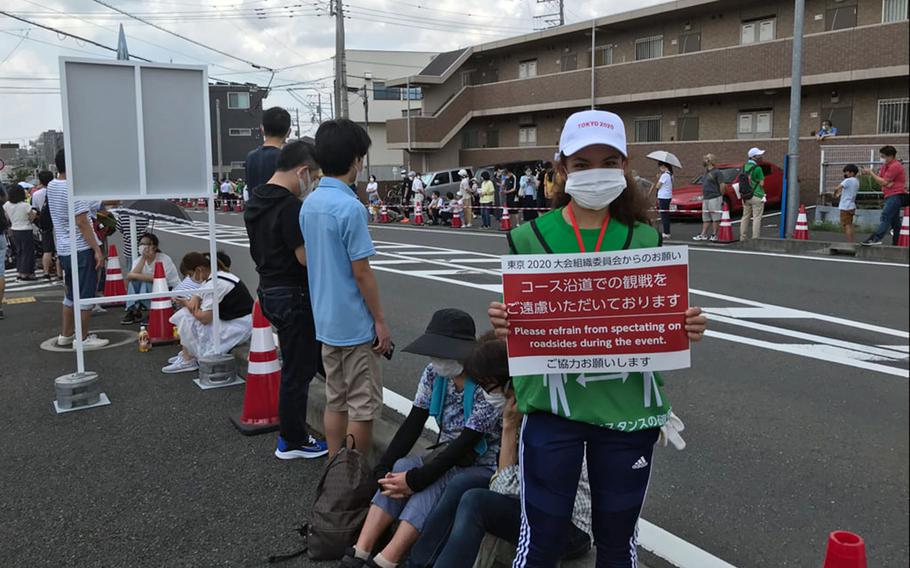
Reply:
x=272 y=33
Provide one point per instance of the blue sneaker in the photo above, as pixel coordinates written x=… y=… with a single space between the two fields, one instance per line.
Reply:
x=312 y=449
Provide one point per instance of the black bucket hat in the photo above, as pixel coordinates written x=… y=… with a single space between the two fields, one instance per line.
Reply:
x=450 y=335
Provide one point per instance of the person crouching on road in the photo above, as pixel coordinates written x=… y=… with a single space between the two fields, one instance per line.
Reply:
x=194 y=322
x=469 y=439
x=142 y=276
x=597 y=210
x=470 y=507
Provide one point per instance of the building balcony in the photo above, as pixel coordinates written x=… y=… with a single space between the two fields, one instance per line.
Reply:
x=854 y=54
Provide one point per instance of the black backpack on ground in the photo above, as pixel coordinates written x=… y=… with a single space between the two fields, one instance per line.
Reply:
x=744 y=179
x=342 y=500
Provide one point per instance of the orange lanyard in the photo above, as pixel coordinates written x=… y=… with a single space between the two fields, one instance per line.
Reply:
x=581 y=243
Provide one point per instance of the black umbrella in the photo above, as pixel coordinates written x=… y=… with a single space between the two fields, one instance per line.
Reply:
x=155 y=210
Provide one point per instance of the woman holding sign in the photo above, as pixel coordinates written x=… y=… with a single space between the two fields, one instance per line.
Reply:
x=594 y=212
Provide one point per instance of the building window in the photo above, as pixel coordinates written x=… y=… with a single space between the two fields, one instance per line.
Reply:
x=755 y=31
x=754 y=124
x=414 y=94
x=841 y=118
x=527 y=69
x=649 y=47
x=687 y=128
x=647 y=129
x=467 y=78
x=840 y=18
x=470 y=139
x=569 y=61
x=527 y=136
x=492 y=139
x=892 y=116
x=690 y=43
x=894 y=11
x=239 y=100
x=603 y=55
x=240 y=132
x=383 y=93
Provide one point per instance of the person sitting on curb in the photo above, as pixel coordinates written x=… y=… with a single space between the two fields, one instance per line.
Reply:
x=434 y=207
x=142 y=276
x=194 y=322
x=470 y=507
x=469 y=430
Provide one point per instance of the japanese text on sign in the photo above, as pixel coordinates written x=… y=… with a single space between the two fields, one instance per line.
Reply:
x=622 y=310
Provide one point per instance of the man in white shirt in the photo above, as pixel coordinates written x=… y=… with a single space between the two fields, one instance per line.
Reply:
x=226 y=189
x=90 y=258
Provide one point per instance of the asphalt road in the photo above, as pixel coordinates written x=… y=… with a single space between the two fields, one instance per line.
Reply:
x=797 y=421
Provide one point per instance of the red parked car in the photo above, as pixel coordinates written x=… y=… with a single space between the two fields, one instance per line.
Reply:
x=687 y=199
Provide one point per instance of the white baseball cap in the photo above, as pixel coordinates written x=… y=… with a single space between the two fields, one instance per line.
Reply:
x=590 y=127
x=753 y=152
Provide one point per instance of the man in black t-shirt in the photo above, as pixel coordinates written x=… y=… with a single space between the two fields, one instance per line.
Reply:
x=260 y=163
x=276 y=245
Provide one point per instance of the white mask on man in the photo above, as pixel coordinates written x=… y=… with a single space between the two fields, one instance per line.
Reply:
x=446 y=367
x=595 y=189
x=496 y=399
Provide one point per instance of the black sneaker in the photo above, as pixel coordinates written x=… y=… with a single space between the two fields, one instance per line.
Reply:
x=351 y=561
x=871 y=241
x=131 y=317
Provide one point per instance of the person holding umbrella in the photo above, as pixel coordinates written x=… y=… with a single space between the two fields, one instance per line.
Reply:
x=664 y=186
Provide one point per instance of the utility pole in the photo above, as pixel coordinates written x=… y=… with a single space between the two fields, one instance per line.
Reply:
x=297 y=115
x=341 y=79
x=319 y=106
x=218 y=138
x=793 y=197
x=556 y=16
x=366 y=120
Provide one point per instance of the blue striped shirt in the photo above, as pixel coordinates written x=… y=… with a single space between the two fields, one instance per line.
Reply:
x=58 y=192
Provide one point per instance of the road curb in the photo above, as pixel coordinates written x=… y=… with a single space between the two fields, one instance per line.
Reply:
x=882 y=253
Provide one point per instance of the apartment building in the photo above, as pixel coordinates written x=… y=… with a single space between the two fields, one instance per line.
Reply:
x=236 y=114
x=369 y=72
x=690 y=76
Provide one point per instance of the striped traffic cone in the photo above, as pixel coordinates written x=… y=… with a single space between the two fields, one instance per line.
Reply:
x=383 y=214
x=238 y=206
x=801 y=232
x=225 y=206
x=505 y=224
x=725 y=231
x=160 y=328
x=456 y=220
x=418 y=214
x=263 y=379
x=903 y=240
x=113 y=280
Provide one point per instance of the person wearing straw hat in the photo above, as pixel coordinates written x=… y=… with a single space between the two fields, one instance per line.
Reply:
x=610 y=422
x=468 y=445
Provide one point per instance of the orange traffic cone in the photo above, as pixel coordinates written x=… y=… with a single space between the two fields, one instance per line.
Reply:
x=456 y=220
x=225 y=206
x=238 y=206
x=725 y=231
x=200 y=204
x=161 y=330
x=801 y=232
x=383 y=214
x=505 y=224
x=418 y=214
x=903 y=240
x=113 y=280
x=845 y=550
x=263 y=379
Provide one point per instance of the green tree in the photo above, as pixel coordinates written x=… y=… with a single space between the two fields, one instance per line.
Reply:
x=20 y=173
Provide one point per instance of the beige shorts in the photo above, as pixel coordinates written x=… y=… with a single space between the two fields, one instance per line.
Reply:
x=711 y=209
x=353 y=381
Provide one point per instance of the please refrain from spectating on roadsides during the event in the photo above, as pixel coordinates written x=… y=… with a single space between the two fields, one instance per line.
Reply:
x=607 y=312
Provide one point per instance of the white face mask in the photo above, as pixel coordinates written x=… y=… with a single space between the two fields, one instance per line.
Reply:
x=144 y=249
x=306 y=184
x=446 y=367
x=497 y=399
x=595 y=189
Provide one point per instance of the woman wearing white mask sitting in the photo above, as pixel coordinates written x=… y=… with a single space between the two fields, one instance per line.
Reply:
x=610 y=423
x=469 y=439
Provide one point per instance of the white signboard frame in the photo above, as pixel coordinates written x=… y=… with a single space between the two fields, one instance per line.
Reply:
x=136 y=130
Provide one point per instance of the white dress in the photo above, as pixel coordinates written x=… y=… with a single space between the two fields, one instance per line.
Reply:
x=197 y=338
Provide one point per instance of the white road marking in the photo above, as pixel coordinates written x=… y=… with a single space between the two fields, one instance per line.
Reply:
x=13 y=285
x=901 y=348
x=675 y=550
x=798 y=256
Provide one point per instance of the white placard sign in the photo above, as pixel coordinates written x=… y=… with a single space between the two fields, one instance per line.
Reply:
x=135 y=130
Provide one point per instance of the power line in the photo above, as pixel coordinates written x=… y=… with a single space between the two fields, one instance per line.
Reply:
x=175 y=34
x=58 y=31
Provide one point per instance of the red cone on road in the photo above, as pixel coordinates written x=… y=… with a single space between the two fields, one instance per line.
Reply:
x=801 y=232
x=505 y=224
x=263 y=379
x=225 y=206
x=160 y=328
x=456 y=220
x=113 y=280
x=725 y=230
x=383 y=214
x=418 y=214
x=903 y=240
x=845 y=550
x=238 y=206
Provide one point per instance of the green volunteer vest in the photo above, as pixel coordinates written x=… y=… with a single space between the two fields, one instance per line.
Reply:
x=627 y=402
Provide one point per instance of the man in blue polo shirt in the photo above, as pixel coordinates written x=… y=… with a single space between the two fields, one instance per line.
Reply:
x=345 y=297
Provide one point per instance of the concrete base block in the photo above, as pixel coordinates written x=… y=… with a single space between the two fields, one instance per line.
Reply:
x=207 y=386
x=103 y=400
x=217 y=371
